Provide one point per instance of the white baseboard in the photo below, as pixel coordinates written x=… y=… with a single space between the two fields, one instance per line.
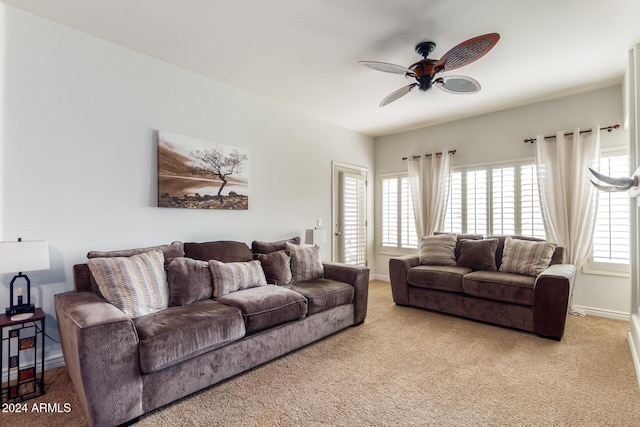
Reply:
x=610 y=314
x=378 y=277
x=634 y=345
x=50 y=362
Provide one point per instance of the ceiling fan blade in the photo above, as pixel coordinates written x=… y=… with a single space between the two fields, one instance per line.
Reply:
x=398 y=94
x=468 y=51
x=457 y=84
x=387 y=68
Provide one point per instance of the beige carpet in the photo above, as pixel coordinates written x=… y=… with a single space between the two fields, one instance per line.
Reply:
x=411 y=367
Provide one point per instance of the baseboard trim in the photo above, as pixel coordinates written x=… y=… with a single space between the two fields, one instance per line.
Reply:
x=633 y=345
x=379 y=277
x=600 y=312
x=50 y=362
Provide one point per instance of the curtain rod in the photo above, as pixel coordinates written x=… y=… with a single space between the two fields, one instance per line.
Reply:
x=452 y=152
x=607 y=128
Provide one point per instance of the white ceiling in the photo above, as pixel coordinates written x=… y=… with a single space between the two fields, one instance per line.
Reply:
x=304 y=53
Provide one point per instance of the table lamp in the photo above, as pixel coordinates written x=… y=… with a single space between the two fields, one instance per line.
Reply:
x=22 y=256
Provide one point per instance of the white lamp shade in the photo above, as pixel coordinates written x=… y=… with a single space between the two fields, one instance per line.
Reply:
x=26 y=255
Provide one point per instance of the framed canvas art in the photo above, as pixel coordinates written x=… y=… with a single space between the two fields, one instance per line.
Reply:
x=199 y=174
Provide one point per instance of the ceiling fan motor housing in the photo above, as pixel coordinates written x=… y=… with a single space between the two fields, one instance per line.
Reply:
x=424 y=71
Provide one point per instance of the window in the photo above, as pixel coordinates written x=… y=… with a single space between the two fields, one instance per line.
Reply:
x=495 y=199
x=398 y=226
x=610 y=249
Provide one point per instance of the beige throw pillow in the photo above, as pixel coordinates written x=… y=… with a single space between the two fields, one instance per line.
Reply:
x=529 y=258
x=234 y=276
x=305 y=262
x=439 y=249
x=137 y=284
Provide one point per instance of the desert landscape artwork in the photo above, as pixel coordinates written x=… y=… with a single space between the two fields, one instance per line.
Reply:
x=199 y=174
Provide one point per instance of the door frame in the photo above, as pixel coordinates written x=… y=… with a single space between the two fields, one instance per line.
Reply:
x=336 y=169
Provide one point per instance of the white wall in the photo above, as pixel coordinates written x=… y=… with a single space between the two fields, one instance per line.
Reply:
x=78 y=155
x=499 y=137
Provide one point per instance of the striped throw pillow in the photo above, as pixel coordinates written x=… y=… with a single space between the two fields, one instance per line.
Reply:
x=233 y=276
x=137 y=285
x=439 y=249
x=305 y=262
x=526 y=257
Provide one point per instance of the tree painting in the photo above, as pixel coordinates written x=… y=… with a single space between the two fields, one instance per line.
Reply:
x=199 y=174
x=219 y=165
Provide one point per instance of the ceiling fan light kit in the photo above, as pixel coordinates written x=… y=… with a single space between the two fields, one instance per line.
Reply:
x=425 y=70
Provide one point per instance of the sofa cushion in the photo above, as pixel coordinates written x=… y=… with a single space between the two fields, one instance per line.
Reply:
x=189 y=280
x=438 y=249
x=267 y=306
x=507 y=287
x=234 y=276
x=179 y=333
x=526 y=257
x=267 y=247
x=305 y=262
x=478 y=254
x=276 y=266
x=175 y=249
x=221 y=250
x=446 y=278
x=323 y=294
x=137 y=285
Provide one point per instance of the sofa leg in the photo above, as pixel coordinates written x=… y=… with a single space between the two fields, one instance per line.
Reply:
x=550 y=337
x=130 y=422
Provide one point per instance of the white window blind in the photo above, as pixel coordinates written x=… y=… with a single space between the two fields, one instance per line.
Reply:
x=355 y=219
x=611 y=238
x=398 y=227
x=495 y=199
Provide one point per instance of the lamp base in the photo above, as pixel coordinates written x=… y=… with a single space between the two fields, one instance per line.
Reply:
x=22 y=308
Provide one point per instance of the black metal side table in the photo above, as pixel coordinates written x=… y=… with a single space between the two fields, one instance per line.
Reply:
x=22 y=353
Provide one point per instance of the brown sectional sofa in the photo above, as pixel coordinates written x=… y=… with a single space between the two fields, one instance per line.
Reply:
x=532 y=303
x=122 y=367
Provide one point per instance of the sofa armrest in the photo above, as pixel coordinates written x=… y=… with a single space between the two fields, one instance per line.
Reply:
x=100 y=348
x=398 y=269
x=552 y=293
x=356 y=276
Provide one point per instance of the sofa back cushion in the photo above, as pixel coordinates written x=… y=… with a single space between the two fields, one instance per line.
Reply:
x=221 y=250
x=137 y=284
x=267 y=247
x=175 y=249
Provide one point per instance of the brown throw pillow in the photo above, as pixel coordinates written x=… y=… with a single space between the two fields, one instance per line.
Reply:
x=189 y=280
x=478 y=254
x=276 y=267
x=268 y=247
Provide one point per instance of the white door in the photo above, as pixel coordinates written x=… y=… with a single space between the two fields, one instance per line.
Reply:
x=350 y=215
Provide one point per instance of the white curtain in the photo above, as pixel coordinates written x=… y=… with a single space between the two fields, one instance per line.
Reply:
x=567 y=199
x=429 y=184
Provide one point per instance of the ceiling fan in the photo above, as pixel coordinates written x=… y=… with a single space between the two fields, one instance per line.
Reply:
x=425 y=70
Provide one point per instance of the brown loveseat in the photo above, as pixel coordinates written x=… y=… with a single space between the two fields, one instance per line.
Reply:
x=479 y=290
x=122 y=367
